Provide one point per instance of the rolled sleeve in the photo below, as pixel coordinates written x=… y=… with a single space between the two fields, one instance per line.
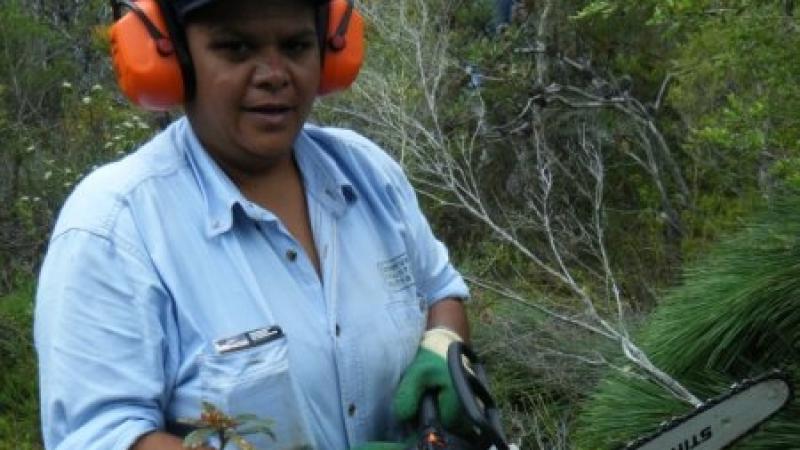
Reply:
x=99 y=331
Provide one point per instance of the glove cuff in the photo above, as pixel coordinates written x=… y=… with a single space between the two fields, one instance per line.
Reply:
x=438 y=339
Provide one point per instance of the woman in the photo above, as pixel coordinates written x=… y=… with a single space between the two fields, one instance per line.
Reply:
x=244 y=258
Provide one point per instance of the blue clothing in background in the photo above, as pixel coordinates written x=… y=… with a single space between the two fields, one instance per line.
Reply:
x=503 y=10
x=163 y=284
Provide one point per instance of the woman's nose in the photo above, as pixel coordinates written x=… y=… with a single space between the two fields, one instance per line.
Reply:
x=271 y=73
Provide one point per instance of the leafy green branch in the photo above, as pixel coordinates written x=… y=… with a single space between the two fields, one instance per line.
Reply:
x=213 y=422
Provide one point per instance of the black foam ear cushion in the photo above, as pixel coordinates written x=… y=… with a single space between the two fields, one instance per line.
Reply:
x=178 y=36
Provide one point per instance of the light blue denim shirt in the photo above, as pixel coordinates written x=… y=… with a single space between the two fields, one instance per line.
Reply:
x=162 y=286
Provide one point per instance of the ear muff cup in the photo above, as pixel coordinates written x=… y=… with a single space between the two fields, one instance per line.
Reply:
x=150 y=75
x=344 y=47
x=147 y=68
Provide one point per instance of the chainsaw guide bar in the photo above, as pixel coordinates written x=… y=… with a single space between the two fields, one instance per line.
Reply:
x=722 y=420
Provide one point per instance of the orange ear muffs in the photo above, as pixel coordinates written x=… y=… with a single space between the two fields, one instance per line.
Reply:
x=148 y=68
x=344 y=47
x=144 y=57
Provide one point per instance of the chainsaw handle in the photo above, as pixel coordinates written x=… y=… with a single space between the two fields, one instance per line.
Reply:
x=431 y=433
x=428 y=412
x=471 y=388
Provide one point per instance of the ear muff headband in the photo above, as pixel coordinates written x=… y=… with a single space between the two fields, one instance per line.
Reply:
x=163 y=44
x=150 y=56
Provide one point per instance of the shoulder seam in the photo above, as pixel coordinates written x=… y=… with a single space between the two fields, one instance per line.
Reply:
x=118 y=198
x=102 y=234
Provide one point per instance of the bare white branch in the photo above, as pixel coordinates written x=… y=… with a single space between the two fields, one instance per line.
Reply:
x=556 y=216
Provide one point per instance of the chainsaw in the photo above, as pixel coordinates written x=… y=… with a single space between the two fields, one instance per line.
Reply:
x=479 y=406
x=716 y=424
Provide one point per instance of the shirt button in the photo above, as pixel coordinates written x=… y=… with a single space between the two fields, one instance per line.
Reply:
x=291 y=255
x=338 y=330
x=351 y=410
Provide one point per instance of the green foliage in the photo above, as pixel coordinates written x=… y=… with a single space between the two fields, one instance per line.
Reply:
x=535 y=401
x=533 y=362
x=722 y=117
x=27 y=79
x=596 y=8
x=59 y=117
x=734 y=316
x=731 y=109
x=19 y=406
x=29 y=68
x=739 y=92
x=213 y=422
x=57 y=120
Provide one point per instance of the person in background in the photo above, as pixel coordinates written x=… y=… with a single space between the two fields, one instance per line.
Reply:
x=243 y=257
x=503 y=10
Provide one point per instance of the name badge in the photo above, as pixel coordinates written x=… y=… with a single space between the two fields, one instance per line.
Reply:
x=248 y=339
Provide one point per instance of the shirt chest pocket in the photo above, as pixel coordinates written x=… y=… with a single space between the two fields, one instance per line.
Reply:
x=258 y=381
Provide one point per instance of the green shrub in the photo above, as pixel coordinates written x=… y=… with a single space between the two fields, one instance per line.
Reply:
x=19 y=399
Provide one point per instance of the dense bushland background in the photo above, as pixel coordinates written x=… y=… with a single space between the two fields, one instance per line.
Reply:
x=575 y=160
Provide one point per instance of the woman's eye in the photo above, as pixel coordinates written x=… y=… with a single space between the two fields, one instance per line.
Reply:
x=298 y=47
x=232 y=48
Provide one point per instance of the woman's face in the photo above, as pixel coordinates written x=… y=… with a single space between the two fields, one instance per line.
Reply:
x=257 y=65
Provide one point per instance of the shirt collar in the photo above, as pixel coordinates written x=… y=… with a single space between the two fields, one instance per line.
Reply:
x=322 y=177
x=322 y=174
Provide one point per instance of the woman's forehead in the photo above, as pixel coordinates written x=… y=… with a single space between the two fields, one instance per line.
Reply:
x=213 y=10
x=256 y=17
x=276 y=20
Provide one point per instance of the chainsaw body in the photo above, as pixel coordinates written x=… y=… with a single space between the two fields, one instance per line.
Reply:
x=477 y=402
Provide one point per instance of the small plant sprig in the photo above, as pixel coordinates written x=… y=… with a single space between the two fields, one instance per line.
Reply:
x=212 y=422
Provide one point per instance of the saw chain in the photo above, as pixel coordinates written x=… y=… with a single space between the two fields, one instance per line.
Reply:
x=723 y=420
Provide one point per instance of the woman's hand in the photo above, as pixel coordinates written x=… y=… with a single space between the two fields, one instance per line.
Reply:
x=159 y=440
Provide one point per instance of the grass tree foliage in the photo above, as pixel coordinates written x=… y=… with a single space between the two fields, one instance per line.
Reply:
x=735 y=315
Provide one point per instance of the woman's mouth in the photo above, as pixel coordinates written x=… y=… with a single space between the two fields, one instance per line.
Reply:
x=270 y=116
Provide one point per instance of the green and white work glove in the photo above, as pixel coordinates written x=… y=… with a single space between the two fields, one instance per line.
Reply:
x=384 y=446
x=429 y=371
